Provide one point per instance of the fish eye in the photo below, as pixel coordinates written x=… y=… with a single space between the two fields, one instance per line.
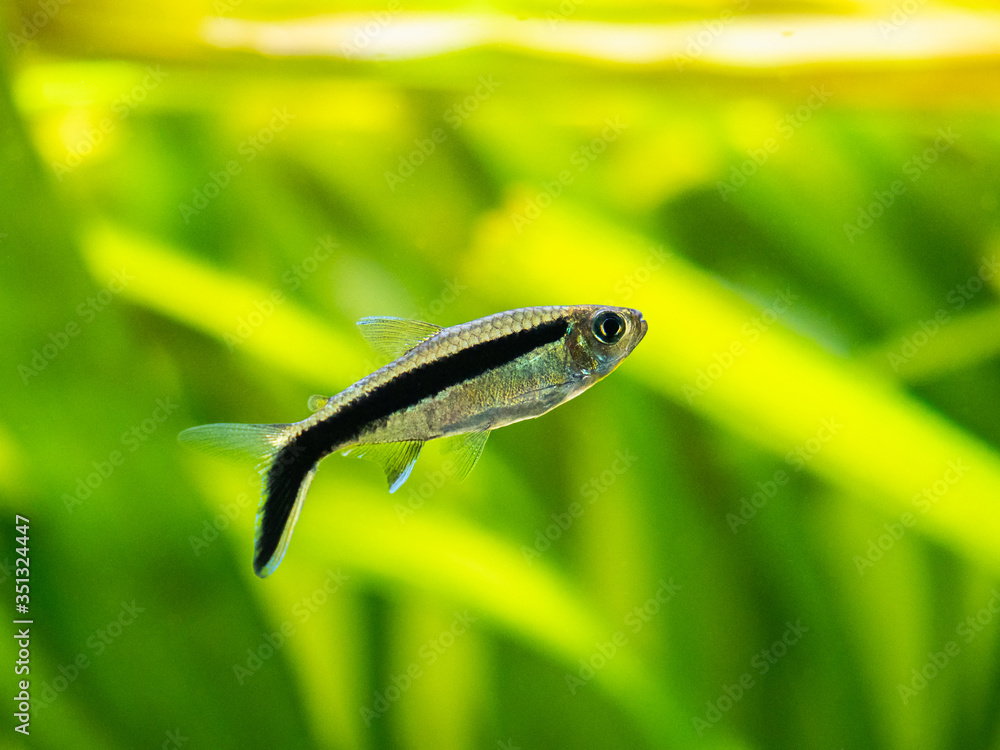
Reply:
x=608 y=327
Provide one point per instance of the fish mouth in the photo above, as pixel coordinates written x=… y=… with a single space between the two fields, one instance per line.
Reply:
x=642 y=328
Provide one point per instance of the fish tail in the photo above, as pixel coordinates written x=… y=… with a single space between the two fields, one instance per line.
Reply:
x=286 y=482
x=286 y=469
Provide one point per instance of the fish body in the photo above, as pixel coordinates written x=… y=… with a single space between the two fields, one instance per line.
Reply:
x=457 y=383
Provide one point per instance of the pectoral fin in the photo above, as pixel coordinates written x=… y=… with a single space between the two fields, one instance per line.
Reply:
x=396 y=459
x=394 y=337
x=465 y=450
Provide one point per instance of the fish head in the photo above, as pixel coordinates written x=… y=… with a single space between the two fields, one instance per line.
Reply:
x=600 y=337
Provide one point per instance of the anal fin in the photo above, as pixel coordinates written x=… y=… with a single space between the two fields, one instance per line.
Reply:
x=396 y=459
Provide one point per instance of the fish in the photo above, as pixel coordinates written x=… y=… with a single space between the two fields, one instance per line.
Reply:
x=455 y=383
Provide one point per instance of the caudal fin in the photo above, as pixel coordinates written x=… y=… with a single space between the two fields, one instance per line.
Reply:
x=286 y=472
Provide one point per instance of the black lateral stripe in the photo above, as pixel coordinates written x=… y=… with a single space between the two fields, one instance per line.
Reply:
x=408 y=388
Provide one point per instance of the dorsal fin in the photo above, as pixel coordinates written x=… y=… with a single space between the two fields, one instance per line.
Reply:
x=394 y=337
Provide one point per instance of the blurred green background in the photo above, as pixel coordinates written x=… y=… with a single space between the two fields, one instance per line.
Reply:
x=775 y=526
